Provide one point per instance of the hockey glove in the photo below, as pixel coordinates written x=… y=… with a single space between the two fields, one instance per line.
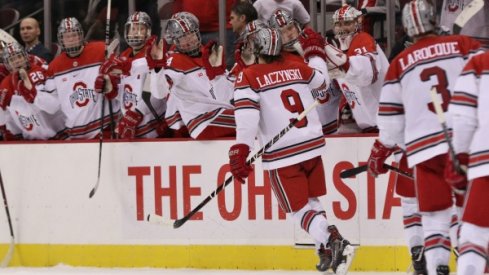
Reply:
x=238 y=49
x=25 y=87
x=457 y=178
x=212 y=59
x=107 y=84
x=5 y=98
x=3 y=71
x=162 y=128
x=312 y=44
x=116 y=65
x=7 y=135
x=378 y=155
x=334 y=57
x=237 y=160
x=128 y=123
x=155 y=53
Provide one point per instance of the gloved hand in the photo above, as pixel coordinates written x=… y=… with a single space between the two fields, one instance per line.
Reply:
x=238 y=49
x=378 y=155
x=115 y=65
x=457 y=178
x=3 y=71
x=312 y=43
x=212 y=59
x=5 y=98
x=155 y=53
x=7 y=135
x=162 y=128
x=107 y=84
x=128 y=123
x=25 y=86
x=237 y=160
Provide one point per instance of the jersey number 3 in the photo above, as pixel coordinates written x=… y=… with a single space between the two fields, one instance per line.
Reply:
x=441 y=87
x=292 y=102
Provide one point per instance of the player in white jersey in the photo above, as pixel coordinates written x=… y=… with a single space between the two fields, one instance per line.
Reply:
x=140 y=118
x=200 y=93
x=364 y=70
x=71 y=77
x=290 y=31
x=406 y=118
x=267 y=96
x=469 y=109
x=27 y=109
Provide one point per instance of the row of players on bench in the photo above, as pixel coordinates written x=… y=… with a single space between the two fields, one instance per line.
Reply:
x=174 y=87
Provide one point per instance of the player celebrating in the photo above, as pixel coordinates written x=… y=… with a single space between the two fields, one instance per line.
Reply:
x=294 y=163
x=27 y=109
x=407 y=118
x=71 y=76
x=364 y=70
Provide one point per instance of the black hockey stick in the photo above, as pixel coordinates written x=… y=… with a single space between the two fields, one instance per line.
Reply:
x=360 y=169
x=468 y=12
x=101 y=137
x=180 y=222
x=147 y=99
x=10 y=252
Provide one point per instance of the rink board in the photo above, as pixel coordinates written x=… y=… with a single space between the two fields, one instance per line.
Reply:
x=47 y=185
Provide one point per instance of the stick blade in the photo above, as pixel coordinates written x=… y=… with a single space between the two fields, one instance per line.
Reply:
x=178 y=223
x=468 y=12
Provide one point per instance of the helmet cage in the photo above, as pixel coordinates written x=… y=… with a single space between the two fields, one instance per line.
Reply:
x=137 y=29
x=266 y=41
x=15 y=57
x=68 y=29
x=179 y=29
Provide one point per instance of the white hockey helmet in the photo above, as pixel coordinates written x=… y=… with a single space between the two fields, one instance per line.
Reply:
x=184 y=34
x=284 y=22
x=137 y=29
x=346 y=25
x=418 y=17
x=15 y=57
x=267 y=42
x=70 y=36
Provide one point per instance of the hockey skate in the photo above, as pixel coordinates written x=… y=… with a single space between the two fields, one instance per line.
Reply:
x=325 y=258
x=342 y=251
x=419 y=262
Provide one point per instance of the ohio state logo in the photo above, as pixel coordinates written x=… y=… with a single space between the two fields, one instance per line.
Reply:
x=27 y=122
x=128 y=98
x=454 y=5
x=350 y=96
x=81 y=95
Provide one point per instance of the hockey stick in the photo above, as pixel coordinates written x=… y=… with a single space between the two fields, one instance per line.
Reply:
x=10 y=252
x=360 y=169
x=468 y=12
x=258 y=154
x=147 y=100
x=101 y=135
x=441 y=118
x=6 y=37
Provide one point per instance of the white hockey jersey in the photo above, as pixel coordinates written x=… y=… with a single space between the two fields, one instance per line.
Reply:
x=73 y=80
x=406 y=113
x=469 y=107
x=194 y=100
x=364 y=79
x=267 y=97
x=41 y=119
x=131 y=90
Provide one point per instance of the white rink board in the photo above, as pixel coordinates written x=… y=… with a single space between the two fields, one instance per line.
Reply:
x=48 y=185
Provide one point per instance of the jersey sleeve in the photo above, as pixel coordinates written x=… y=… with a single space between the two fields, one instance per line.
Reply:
x=390 y=116
x=463 y=105
x=247 y=110
x=159 y=84
x=45 y=100
x=363 y=67
x=223 y=88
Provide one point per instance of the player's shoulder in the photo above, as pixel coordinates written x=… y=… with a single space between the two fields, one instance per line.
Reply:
x=183 y=63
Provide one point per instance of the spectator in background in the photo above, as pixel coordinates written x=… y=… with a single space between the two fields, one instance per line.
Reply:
x=29 y=33
x=266 y=8
x=208 y=14
x=241 y=14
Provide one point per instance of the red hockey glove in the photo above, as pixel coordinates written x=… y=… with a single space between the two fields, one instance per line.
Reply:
x=237 y=55
x=155 y=53
x=7 y=135
x=378 y=155
x=128 y=123
x=237 y=160
x=5 y=98
x=312 y=43
x=107 y=84
x=212 y=59
x=36 y=60
x=25 y=86
x=115 y=64
x=3 y=71
x=162 y=128
x=457 y=179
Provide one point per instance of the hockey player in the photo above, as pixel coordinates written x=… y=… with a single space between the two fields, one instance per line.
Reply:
x=200 y=94
x=71 y=76
x=290 y=31
x=27 y=109
x=468 y=108
x=140 y=117
x=407 y=118
x=267 y=96
x=364 y=70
